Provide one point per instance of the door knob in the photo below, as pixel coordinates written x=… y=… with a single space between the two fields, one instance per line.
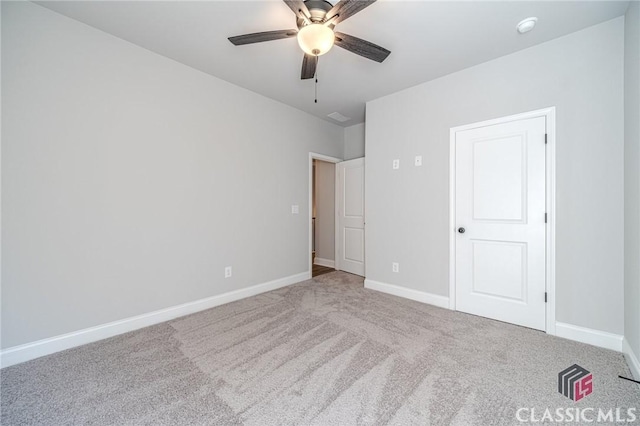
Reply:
x=461 y=230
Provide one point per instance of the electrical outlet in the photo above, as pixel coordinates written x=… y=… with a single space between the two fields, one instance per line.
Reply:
x=396 y=164
x=227 y=272
x=418 y=160
x=395 y=267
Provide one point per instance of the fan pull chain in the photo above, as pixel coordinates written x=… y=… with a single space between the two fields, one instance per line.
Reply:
x=316 y=85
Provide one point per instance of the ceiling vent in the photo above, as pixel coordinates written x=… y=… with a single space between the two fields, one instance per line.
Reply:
x=339 y=117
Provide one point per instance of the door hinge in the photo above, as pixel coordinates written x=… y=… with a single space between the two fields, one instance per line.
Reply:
x=545 y=297
x=545 y=218
x=545 y=138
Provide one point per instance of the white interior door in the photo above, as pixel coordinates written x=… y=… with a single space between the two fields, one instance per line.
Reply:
x=350 y=216
x=500 y=222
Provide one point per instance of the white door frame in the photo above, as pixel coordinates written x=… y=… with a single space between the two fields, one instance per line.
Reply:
x=321 y=157
x=550 y=164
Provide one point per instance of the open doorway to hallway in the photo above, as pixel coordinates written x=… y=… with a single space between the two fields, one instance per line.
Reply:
x=323 y=212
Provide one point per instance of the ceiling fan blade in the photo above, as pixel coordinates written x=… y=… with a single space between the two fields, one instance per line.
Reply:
x=361 y=47
x=299 y=8
x=308 y=67
x=347 y=8
x=260 y=37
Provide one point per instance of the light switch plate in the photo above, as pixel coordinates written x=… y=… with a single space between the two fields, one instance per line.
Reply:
x=295 y=209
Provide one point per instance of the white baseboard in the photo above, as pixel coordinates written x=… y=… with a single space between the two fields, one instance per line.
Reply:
x=590 y=336
x=28 y=351
x=632 y=359
x=407 y=293
x=324 y=262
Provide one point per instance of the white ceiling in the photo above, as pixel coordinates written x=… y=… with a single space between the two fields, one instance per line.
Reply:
x=427 y=39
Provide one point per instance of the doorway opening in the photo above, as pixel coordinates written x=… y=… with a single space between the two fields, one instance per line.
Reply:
x=322 y=209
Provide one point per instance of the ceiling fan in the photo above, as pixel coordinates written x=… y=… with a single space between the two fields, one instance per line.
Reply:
x=316 y=20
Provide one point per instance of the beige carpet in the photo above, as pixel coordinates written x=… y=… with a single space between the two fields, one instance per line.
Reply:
x=322 y=352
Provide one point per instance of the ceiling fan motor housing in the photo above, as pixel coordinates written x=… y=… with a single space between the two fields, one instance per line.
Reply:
x=318 y=10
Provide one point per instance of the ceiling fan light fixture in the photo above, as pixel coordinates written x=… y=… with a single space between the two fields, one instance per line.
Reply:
x=316 y=39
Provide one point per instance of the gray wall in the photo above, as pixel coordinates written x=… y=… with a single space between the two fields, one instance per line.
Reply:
x=130 y=181
x=325 y=210
x=408 y=209
x=632 y=176
x=354 y=141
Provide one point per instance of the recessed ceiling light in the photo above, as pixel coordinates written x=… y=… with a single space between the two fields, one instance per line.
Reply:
x=526 y=25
